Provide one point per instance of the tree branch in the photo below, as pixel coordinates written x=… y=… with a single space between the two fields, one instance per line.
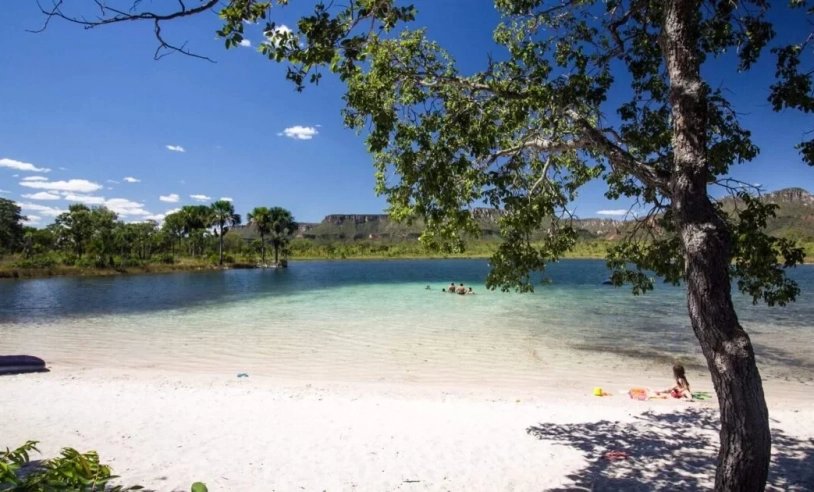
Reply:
x=122 y=16
x=620 y=159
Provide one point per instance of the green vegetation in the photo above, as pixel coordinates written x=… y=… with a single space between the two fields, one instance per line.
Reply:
x=585 y=91
x=93 y=241
x=223 y=217
x=72 y=471
x=365 y=249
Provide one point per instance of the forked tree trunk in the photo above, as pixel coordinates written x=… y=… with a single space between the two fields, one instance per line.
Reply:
x=743 y=459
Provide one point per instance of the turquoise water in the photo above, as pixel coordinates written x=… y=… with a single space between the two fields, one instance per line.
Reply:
x=375 y=321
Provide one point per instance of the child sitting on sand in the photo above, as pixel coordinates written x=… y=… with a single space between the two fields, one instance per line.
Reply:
x=682 y=386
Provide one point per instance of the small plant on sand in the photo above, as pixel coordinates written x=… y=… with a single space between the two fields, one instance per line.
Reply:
x=71 y=471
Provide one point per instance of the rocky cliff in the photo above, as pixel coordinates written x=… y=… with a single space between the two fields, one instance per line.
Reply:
x=795 y=213
x=790 y=196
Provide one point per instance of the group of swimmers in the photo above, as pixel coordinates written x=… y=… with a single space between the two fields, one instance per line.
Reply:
x=453 y=289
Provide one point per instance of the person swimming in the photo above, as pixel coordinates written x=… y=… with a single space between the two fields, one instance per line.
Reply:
x=461 y=290
x=470 y=291
x=451 y=287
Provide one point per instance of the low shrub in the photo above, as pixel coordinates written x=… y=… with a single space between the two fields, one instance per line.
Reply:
x=85 y=262
x=166 y=259
x=214 y=259
x=69 y=260
x=71 y=471
x=130 y=262
x=37 y=262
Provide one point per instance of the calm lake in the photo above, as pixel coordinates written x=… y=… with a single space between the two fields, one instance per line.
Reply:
x=376 y=321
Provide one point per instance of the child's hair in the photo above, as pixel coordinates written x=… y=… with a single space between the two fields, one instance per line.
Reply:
x=680 y=375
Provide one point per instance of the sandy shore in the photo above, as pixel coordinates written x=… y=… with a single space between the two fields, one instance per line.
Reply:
x=167 y=430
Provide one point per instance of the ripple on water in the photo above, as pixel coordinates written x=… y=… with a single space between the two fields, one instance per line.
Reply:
x=375 y=321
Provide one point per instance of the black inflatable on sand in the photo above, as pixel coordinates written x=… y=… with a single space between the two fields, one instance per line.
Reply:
x=18 y=364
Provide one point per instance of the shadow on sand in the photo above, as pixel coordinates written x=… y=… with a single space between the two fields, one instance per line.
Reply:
x=669 y=451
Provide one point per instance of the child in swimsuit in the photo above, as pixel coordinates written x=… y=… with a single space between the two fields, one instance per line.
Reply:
x=682 y=386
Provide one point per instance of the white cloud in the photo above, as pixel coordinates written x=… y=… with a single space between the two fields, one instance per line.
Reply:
x=132 y=180
x=22 y=166
x=200 y=198
x=122 y=206
x=4 y=191
x=15 y=175
x=156 y=217
x=42 y=195
x=41 y=209
x=35 y=178
x=274 y=36
x=618 y=212
x=226 y=199
x=176 y=148
x=73 y=185
x=86 y=199
x=62 y=168
x=32 y=219
x=300 y=132
x=125 y=207
x=112 y=181
x=246 y=43
x=171 y=198
x=160 y=217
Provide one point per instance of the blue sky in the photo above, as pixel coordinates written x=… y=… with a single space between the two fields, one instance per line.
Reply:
x=96 y=109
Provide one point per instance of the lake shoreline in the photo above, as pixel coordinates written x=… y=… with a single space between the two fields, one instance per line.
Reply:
x=14 y=273
x=260 y=433
x=153 y=268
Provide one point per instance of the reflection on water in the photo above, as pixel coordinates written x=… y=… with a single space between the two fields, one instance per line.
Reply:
x=372 y=320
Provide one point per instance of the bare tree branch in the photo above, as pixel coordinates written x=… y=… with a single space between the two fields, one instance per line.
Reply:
x=164 y=48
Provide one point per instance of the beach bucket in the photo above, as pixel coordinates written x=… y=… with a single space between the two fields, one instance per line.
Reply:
x=597 y=391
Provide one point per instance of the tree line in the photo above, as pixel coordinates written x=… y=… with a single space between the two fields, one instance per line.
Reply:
x=97 y=237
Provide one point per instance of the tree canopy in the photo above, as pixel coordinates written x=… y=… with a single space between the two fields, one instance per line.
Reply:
x=529 y=130
x=533 y=126
x=11 y=225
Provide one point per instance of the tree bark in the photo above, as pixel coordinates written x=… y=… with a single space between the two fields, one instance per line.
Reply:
x=743 y=459
x=263 y=247
x=220 y=249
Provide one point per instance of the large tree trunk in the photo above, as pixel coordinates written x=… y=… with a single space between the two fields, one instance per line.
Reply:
x=743 y=460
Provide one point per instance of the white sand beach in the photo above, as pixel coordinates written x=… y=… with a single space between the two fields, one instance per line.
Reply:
x=167 y=430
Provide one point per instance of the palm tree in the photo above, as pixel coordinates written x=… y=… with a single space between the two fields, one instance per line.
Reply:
x=282 y=227
x=260 y=217
x=223 y=217
x=195 y=220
